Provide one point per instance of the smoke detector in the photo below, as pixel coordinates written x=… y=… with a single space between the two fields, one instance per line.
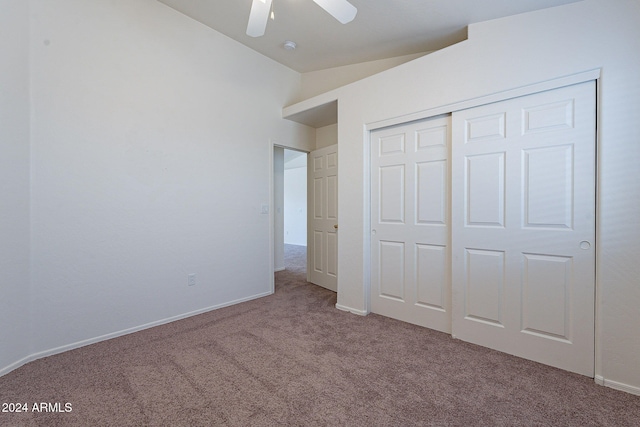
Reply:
x=289 y=45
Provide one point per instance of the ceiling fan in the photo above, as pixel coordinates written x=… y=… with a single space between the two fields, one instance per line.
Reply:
x=342 y=10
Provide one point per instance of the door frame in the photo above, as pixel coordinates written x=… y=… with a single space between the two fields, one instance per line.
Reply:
x=546 y=85
x=273 y=144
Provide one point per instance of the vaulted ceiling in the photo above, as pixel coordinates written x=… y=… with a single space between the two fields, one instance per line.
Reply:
x=381 y=28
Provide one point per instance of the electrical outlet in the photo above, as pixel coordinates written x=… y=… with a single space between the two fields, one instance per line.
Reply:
x=191 y=279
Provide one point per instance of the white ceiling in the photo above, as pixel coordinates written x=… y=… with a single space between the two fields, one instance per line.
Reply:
x=381 y=29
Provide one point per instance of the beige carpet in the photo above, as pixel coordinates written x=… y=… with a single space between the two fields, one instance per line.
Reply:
x=292 y=359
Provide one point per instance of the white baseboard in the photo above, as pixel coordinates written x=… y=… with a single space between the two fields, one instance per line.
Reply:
x=89 y=341
x=352 y=310
x=600 y=380
x=15 y=365
x=278 y=269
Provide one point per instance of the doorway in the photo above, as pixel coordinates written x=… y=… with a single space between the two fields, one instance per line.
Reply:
x=295 y=210
x=290 y=209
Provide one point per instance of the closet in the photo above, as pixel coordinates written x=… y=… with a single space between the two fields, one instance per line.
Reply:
x=483 y=225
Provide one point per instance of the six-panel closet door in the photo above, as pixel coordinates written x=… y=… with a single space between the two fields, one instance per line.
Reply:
x=523 y=226
x=410 y=277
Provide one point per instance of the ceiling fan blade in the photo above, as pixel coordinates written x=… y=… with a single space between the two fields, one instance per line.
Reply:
x=342 y=10
x=258 y=17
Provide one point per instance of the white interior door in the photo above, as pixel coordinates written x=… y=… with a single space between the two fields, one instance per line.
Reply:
x=322 y=236
x=523 y=226
x=410 y=261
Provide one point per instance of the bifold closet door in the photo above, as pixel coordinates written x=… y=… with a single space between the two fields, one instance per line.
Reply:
x=523 y=226
x=410 y=262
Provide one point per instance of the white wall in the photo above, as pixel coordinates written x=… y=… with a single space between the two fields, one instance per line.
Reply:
x=317 y=82
x=14 y=181
x=141 y=119
x=278 y=208
x=501 y=55
x=326 y=136
x=295 y=205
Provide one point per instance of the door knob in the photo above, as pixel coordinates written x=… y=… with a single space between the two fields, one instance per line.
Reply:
x=585 y=245
x=335 y=226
